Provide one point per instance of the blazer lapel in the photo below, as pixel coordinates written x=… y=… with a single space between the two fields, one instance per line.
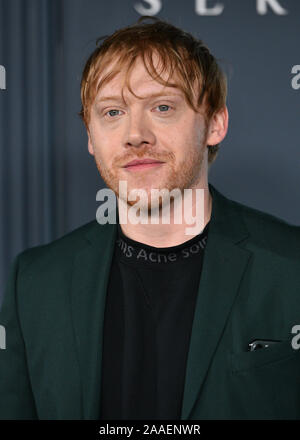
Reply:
x=223 y=267
x=89 y=284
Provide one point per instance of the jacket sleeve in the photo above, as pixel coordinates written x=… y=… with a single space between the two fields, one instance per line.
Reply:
x=16 y=397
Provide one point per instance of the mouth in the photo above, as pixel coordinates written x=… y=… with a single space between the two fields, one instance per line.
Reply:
x=142 y=164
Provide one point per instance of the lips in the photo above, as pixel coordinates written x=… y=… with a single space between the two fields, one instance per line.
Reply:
x=141 y=162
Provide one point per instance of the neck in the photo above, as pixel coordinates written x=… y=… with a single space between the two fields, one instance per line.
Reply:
x=195 y=211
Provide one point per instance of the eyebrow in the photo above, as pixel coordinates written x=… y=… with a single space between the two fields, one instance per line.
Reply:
x=154 y=95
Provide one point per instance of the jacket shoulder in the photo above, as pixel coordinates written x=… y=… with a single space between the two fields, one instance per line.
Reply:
x=59 y=251
x=269 y=231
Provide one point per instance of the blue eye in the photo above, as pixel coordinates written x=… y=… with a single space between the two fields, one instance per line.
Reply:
x=163 y=105
x=113 y=111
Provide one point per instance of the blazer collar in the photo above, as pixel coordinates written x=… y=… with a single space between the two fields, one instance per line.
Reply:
x=223 y=267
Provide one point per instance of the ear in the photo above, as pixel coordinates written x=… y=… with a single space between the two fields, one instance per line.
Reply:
x=218 y=127
x=90 y=145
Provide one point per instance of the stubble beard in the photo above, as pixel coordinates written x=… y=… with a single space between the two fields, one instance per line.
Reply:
x=185 y=175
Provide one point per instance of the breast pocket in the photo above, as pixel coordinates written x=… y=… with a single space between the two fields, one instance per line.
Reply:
x=250 y=360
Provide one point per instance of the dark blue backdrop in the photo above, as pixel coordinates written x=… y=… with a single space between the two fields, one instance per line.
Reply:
x=48 y=179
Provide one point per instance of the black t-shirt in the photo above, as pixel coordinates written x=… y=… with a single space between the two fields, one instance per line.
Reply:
x=148 y=320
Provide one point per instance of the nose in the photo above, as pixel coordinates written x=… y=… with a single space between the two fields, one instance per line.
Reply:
x=138 y=130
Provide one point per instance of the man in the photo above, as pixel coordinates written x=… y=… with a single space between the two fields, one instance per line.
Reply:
x=139 y=320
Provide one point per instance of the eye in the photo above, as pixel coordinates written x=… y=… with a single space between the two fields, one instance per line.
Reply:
x=164 y=107
x=110 y=111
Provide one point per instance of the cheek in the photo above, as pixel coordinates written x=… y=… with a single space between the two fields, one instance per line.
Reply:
x=102 y=145
x=184 y=141
x=102 y=156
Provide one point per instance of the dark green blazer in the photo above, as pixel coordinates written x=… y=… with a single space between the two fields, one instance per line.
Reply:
x=53 y=311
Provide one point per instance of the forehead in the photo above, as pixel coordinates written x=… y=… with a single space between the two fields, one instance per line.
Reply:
x=139 y=80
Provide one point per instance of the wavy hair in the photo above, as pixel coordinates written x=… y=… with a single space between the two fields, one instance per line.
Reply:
x=179 y=52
